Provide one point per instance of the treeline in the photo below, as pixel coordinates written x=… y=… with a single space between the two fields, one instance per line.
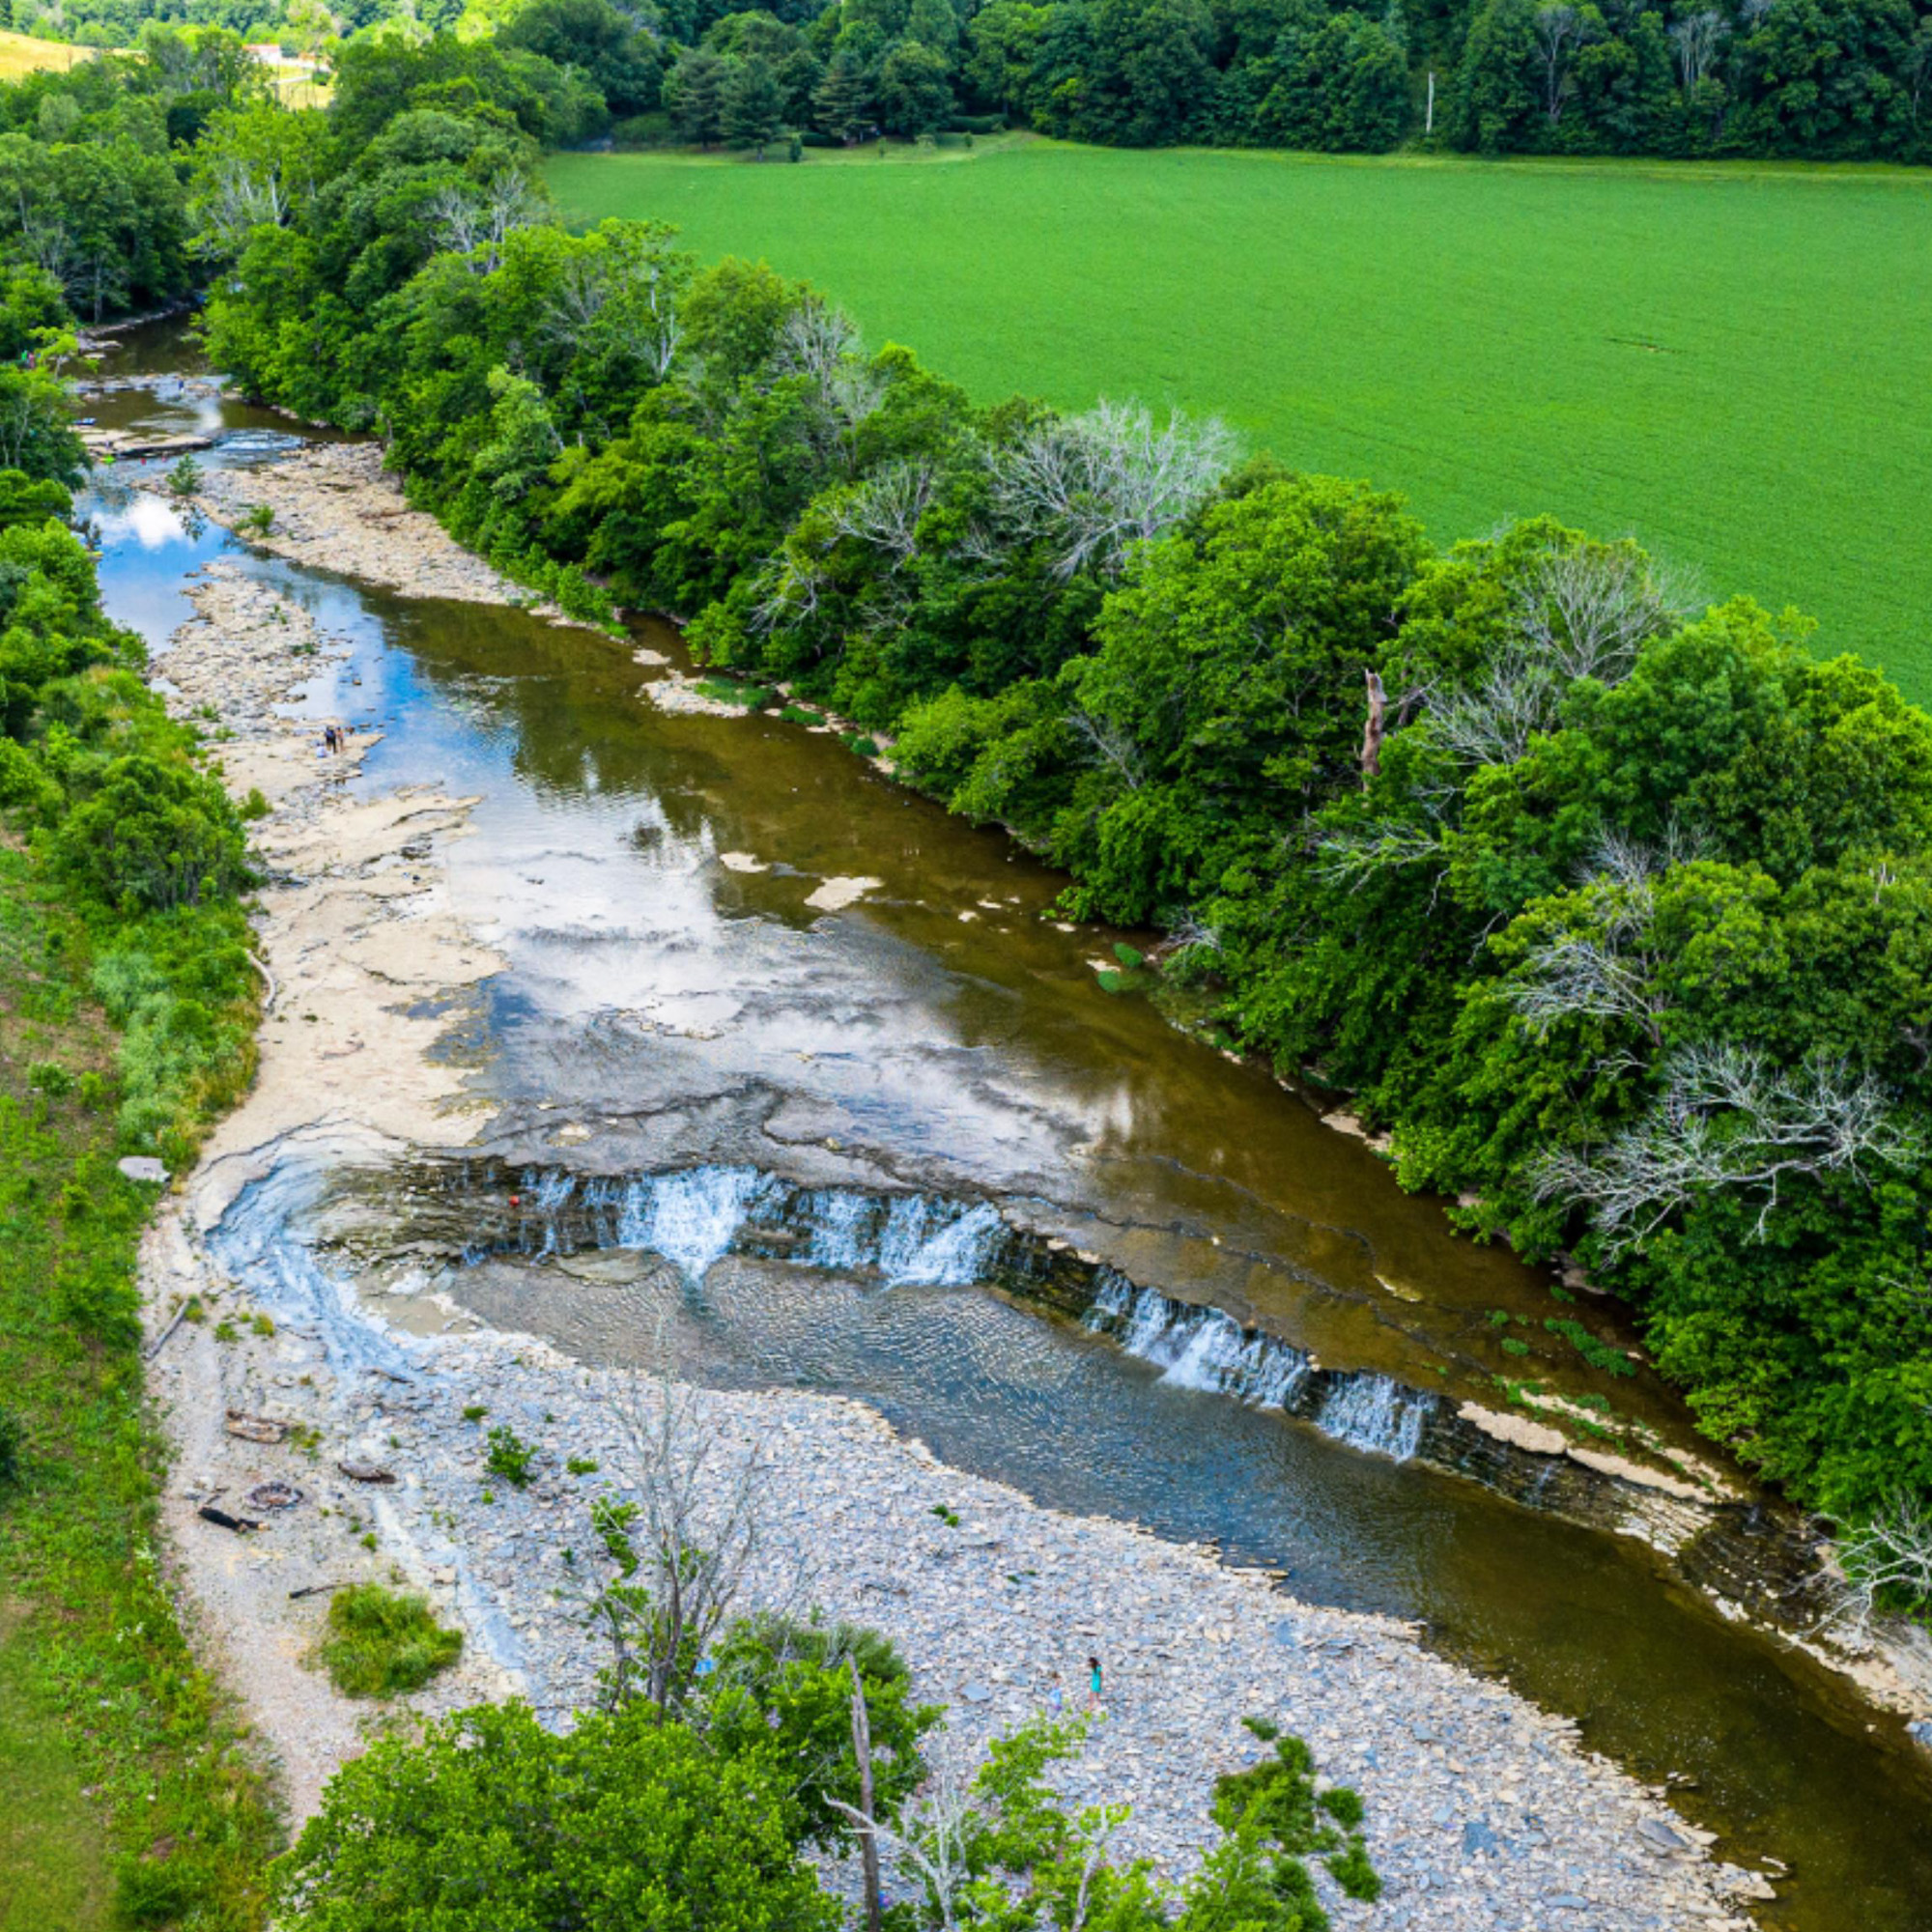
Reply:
x=1623 y=928
x=1809 y=79
x=1817 y=79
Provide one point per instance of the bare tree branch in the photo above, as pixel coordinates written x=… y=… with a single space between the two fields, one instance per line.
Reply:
x=1726 y=1119
x=1888 y=1555
x=1092 y=485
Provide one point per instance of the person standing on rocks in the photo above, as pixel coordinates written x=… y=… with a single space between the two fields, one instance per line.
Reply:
x=1056 y=1700
x=1093 y=1683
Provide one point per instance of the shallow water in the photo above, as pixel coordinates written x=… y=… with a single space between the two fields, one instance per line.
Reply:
x=942 y=1033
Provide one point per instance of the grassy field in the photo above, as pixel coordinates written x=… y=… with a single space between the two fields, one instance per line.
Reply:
x=1729 y=362
x=22 y=54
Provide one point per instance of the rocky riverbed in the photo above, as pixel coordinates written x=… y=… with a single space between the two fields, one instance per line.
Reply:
x=1483 y=1812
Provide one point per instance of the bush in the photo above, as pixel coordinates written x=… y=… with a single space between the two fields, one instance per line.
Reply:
x=381 y=1644
x=491 y=1821
x=510 y=1457
x=155 y=836
x=641 y=130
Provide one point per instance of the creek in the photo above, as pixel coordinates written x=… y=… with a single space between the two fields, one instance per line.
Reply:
x=912 y=1151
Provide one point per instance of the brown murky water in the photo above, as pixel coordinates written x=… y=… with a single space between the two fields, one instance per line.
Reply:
x=671 y=1010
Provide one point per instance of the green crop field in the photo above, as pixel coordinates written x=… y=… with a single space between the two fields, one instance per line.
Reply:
x=1732 y=363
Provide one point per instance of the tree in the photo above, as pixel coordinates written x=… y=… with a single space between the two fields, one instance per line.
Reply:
x=752 y=108
x=677 y=1550
x=843 y=98
x=991 y=1848
x=155 y=836
x=36 y=434
x=620 y=57
x=915 y=91
x=1558 y=29
x=694 y=92
x=781 y=1688
x=492 y=1821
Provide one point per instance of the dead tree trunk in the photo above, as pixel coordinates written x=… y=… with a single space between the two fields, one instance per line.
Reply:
x=1371 y=735
x=869 y=1841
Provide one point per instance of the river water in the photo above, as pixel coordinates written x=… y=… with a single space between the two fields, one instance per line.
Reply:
x=944 y=1036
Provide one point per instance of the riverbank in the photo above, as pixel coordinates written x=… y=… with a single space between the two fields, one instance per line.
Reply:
x=1482 y=1809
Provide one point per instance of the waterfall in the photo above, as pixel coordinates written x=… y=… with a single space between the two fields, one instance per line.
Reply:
x=844 y=1228
x=1199 y=1347
x=934 y=1245
x=1373 y=1413
x=696 y=1217
x=690 y=1217
x=1206 y=1349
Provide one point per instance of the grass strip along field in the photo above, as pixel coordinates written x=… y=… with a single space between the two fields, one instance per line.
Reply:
x=121 y=1798
x=128 y=1008
x=1726 y=362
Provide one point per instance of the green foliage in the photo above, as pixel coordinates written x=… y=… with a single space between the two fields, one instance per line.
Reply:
x=1602 y=1355
x=1275 y=1801
x=509 y=1457
x=779 y=1693
x=155 y=835
x=97 y=1677
x=381 y=1644
x=1019 y=1858
x=624 y=1820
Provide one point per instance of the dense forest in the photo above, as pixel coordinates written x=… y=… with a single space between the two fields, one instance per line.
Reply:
x=1819 y=79
x=1616 y=911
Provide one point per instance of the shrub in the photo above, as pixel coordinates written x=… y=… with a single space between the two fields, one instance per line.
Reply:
x=1602 y=1355
x=381 y=1644
x=155 y=836
x=489 y=1821
x=510 y=1457
x=185 y=478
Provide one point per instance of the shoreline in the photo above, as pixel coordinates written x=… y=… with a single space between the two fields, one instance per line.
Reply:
x=1479 y=1802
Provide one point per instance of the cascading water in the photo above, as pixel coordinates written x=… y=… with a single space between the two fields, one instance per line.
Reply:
x=691 y=1218
x=696 y=1217
x=931 y=1244
x=1371 y=1412
x=1206 y=1349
